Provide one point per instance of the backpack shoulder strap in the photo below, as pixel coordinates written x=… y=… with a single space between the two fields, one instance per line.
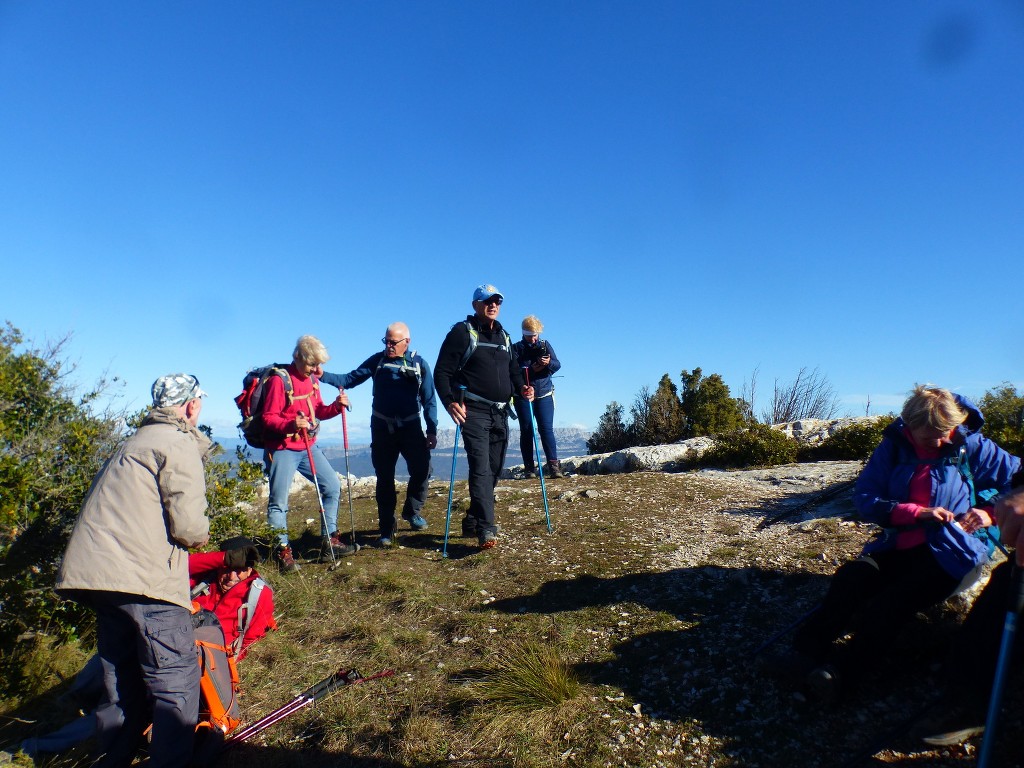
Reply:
x=286 y=379
x=474 y=340
x=247 y=610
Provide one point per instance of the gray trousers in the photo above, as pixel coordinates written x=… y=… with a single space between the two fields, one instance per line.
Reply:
x=150 y=675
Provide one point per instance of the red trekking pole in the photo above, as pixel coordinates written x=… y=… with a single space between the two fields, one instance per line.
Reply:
x=348 y=478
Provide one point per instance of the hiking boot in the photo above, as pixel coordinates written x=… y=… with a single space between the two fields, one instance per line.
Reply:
x=823 y=684
x=468 y=528
x=286 y=560
x=555 y=469
x=529 y=474
x=416 y=522
x=488 y=540
x=335 y=544
x=385 y=542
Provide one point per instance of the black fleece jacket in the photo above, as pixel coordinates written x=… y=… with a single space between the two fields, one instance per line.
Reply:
x=491 y=372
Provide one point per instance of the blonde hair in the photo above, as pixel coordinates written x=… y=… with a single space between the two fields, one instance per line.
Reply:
x=310 y=350
x=532 y=324
x=933 y=407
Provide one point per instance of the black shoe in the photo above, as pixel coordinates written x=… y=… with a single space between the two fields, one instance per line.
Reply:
x=468 y=528
x=822 y=684
x=530 y=474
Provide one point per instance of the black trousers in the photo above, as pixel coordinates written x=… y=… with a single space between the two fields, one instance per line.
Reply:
x=980 y=639
x=410 y=443
x=872 y=598
x=485 y=437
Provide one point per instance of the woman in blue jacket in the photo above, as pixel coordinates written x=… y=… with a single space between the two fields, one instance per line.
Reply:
x=540 y=359
x=920 y=485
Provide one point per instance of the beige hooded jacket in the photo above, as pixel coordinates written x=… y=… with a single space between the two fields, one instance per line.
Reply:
x=146 y=506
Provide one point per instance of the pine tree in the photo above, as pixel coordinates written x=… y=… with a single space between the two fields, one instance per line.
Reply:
x=709 y=406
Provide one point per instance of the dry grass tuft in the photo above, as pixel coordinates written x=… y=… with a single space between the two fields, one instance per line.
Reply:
x=527 y=690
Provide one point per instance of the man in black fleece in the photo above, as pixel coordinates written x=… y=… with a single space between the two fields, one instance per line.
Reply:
x=477 y=354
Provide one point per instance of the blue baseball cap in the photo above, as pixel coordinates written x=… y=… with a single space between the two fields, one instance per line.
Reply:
x=484 y=292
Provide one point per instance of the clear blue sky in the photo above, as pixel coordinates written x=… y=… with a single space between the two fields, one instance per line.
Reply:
x=731 y=185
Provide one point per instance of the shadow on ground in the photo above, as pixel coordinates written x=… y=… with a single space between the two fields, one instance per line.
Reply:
x=706 y=671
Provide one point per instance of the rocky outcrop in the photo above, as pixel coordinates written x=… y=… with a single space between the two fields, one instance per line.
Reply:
x=676 y=456
x=651 y=458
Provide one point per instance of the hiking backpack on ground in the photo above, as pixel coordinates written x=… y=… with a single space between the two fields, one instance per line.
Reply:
x=218 y=684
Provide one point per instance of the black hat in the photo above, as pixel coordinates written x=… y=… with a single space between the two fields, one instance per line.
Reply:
x=242 y=542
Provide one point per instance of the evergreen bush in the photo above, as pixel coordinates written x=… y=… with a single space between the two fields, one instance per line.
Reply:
x=850 y=443
x=757 y=445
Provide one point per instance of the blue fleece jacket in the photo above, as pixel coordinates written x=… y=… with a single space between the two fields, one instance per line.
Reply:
x=396 y=394
x=885 y=480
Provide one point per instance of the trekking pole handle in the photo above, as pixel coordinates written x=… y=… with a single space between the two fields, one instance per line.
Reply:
x=526 y=374
x=462 y=394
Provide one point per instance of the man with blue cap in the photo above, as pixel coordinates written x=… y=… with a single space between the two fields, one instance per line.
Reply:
x=477 y=355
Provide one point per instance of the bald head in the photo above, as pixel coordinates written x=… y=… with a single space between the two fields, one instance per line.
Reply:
x=396 y=340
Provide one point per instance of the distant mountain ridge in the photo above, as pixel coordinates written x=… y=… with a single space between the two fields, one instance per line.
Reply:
x=572 y=441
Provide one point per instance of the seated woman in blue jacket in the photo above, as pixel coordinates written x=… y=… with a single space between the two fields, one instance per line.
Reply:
x=920 y=485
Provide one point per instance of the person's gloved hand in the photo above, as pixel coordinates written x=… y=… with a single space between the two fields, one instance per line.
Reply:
x=241 y=558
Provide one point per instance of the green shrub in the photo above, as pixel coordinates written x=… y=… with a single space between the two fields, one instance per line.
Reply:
x=1003 y=409
x=52 y=444
x=755 y=446
x=850 y=443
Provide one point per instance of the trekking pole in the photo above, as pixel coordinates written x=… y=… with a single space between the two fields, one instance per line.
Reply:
x=310 y=696
x=319 y=498
x=536 y=451
x=451 y=483
x=348 y=478
x=784 y=631
x=1013 y=611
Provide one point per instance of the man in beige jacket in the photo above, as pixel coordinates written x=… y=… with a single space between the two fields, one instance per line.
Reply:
x=128 y=560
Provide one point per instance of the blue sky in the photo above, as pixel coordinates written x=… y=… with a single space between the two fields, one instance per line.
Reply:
x=735 y=186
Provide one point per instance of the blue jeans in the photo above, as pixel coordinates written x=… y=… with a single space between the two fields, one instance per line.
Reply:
x=147 y=649
x=544 y=412
x=281 y=467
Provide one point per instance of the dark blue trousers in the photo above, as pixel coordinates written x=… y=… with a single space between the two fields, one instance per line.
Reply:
x=485 y=437
x=150 y=675
x=410 y=443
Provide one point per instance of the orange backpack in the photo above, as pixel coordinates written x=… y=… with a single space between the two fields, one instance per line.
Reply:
x=218 y=707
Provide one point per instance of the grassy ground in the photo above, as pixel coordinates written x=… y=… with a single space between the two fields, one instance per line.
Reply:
x=622 y=638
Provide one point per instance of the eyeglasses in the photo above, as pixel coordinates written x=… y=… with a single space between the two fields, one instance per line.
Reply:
x=392 y=342
x=493 y=300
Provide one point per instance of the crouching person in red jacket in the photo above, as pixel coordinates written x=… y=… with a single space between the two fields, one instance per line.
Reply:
x=226 y=583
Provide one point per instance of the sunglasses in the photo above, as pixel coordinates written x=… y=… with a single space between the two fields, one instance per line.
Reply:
x=493 y=300
x=392 y=342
